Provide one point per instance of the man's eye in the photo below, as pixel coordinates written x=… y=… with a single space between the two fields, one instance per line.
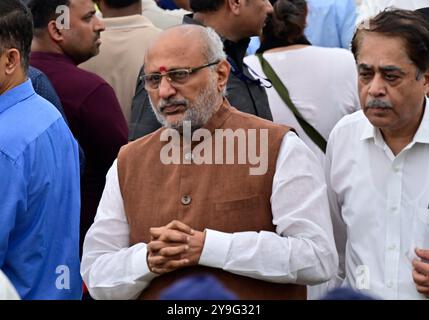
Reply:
x=391 y=77
x=179 y=75
x=365 y=75
x=153 y=78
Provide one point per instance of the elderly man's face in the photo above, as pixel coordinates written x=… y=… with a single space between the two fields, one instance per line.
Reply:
x=391 y=97
x=82 y=40
x=195 y=99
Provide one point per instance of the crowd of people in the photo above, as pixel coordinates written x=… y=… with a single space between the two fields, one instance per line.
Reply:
x=144 y=143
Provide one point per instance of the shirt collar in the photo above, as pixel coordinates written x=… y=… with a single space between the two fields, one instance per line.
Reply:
x=421 y=136
x=16 y=95
x=57 y=57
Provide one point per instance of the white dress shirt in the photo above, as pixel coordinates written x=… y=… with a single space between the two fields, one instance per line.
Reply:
x=379 y=205
x=322 y=83
x=301 y=251
x=162 y=18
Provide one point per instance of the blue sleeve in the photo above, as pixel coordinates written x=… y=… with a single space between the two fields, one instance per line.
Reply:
x=347 y=15
x=12 y=200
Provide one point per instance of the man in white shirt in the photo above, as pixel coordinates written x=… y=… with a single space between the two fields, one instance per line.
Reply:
x=263 y=236
x=377 y=163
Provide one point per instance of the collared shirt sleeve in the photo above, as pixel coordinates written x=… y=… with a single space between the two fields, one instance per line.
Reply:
x=302 y=250
x=339 y=227
x=13 y=200
x=111 y=268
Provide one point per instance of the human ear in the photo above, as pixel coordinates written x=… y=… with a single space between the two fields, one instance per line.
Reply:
x=12 y=60
x=235 y=6
x=222 y=70
x=54 y=33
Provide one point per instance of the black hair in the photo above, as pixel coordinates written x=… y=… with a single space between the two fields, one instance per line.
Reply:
x=285 y=26
x=44 y=11
x=205 y=5
x=16 y=29
x=120 y=3
x=407 y=25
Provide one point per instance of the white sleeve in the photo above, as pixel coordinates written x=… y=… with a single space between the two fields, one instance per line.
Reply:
x=302 y=250
x=340 y=228
x=110 y=268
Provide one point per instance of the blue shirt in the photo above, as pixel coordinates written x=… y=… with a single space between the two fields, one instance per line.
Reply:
x=331 y=23
x=39 y=198
x=43 y=87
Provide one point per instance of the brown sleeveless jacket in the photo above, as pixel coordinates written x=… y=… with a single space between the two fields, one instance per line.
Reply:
x=214 y=196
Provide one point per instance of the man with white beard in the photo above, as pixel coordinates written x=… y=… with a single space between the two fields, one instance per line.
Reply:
x=264 y=236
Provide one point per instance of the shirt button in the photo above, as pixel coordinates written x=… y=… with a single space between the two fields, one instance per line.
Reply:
x=394 y=209
x=392 y=247
x=396 y=169
x=390 y=284
x=188 y=156
x=186 y=200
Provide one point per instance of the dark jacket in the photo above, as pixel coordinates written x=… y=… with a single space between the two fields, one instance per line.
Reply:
x=243 y=91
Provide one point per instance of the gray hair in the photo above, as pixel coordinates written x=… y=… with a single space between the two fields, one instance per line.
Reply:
x=212 y=45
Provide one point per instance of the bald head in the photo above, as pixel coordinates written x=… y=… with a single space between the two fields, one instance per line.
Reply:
x=186 y=74
x=184 y=41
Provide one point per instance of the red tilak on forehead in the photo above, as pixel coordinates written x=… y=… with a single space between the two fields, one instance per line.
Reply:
x=162 y=69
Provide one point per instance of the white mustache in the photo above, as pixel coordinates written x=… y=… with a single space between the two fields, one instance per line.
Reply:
x=164 y=103
x=377 y=103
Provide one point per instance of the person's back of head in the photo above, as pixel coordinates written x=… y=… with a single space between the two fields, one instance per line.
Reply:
x=67 y=27
x=117 y=4
x=233 y=19
x=286 y=25
x=206 y=5
x=16 y=33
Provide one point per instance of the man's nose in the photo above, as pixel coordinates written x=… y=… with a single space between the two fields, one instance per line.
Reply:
x=377 y=86
x=99 y=25
x=165 y=89
x=269 y=8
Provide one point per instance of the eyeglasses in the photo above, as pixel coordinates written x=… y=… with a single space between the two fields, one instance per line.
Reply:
x=175 y=77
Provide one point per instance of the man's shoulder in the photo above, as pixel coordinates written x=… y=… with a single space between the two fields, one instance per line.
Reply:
x=349 y=126
x=239 y=119
x=24 y=123
x=141 y=143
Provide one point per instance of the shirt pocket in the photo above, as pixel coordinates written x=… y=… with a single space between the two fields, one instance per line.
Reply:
x=242 y=214
x=420 y=230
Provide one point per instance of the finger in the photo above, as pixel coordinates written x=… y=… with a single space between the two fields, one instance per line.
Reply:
x=423 y=290
x=420 y=279
x=422 y=253
x=172 y=236
x=421 y=267
x=170 y=266
x=173 y=251
x=180 y=226
x=155 y=246
x=155 y=233
x=156 y=261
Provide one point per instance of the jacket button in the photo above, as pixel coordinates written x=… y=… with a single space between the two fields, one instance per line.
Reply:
x=186 y=200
